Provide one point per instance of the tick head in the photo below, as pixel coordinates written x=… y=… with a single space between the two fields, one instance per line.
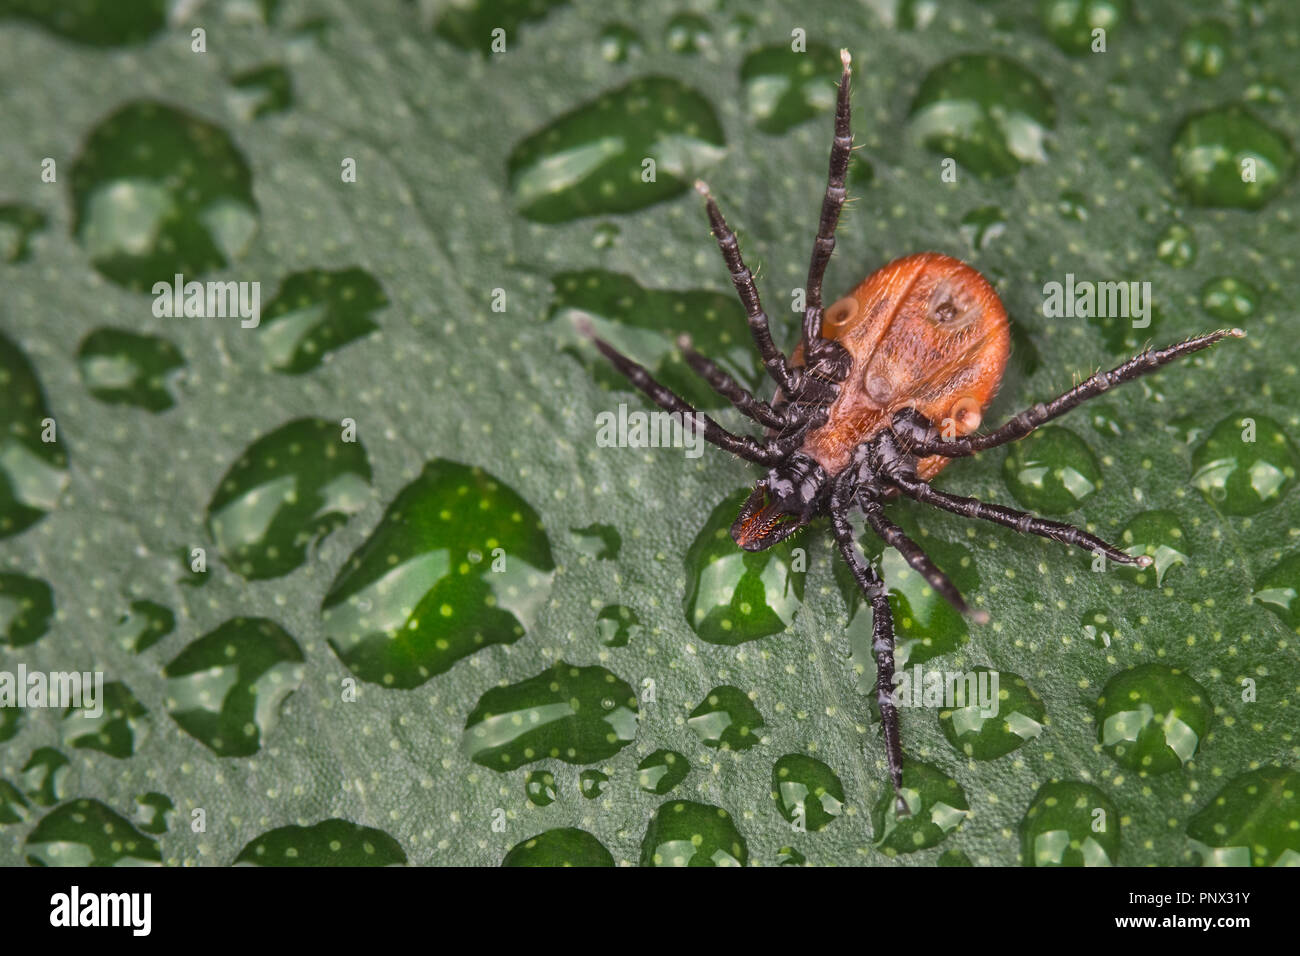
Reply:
x=781 y=503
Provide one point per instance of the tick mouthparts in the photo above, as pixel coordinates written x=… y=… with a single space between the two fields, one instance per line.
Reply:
x=1237 y=333
x=845 y=59
x=979 y=616
x=684 y=342
x=583 y=325
x=1143 y=561
x=702 y=188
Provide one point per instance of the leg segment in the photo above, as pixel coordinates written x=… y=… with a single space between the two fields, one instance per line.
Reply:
x=824 y=245
x=1024 y=423
x=742 y=398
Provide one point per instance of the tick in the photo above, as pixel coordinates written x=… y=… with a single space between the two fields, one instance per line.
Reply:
x=884 y=389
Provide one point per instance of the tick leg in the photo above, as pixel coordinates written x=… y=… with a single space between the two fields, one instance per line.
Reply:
x=824 y=245
x=1024 y=423
x=773 y=360
x=764 y=453
x=882 y=644
x=742 y=398
x=1019 y=520
x=920 y=561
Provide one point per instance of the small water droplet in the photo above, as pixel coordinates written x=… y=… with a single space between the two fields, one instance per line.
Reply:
x=470 y=23
x=938 y=807
x=33 y=472
x=619 y=42
x=1098 y=627
x=593 y=783
x=44 y=776
x=806 y=788
x=784 y=88
x=1204 y=47
x=600 y=541
x=981 y=226
x=988 y=733
x=125 y=368
x=1251 y=821
x=540 y=788
x=117 y=730
x=1070 y=23
x=1160 y=536
x=315 y=313
x=18 y=223
x=1212 y=150
x=261 y=91
x=1052 y=471
x=617 y=623
x=153 y=812
x=1242 y=477
x=1152 y=718
x=1229 y=299
x=726 y=719
x=685 y=833
x=1070 y=824
x=332 y=842
x=1278 y=588
x=688 y=33
x=1073 y=205
x=567 y=846
x=661 y=771
x=26 y=607
x=1176 y=246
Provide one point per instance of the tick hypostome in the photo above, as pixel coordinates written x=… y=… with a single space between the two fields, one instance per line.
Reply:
x=884 y=389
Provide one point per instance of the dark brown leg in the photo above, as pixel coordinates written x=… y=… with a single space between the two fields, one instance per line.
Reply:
x=824 y=245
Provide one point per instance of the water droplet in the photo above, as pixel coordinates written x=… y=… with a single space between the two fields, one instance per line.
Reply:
x=688 y=33
x=590 y=161
x=938 y=807
x=1070 y=22
x=44 y=775
x=1073 y=205
x=1229 y=299
x=646 y=323
x=225 y=688
x=619 y=42
x=116 y=730
x=1069 y=824
x=101 y=23
x=981 y=226
x=1213 y=150
x=13 y=808
x=540 y=788
x=1204 y=47
x=733 y=596
x=989 y=113
x=986 y=734
x=316 y=312
x=33 y=473
x=568 y=846
x=574 y=714
x=1176 y=246
x=410 y=603
x=789 y=856
x=124 y=368
x=954 y=857
x=661 y=771
x=87 y=833
x=617 y=623
x=1098 y=627
x=143 y=626
x=784 y=88
x=600 y=541
x=261 y=91
x=1277 y=590
x=684 y=833
x=726 y=719
x=593 y=783
x=26 y=606
x=1152 y=718
x=10 y=719
x=1160 y=536
x=18 y=223
x=1051 y=471
x=153 y=812
x=331 y=842
x=160 y=192
x=1244 y=477
x=287 y=492
x=806 y=788
x=1251 y=822
x=469 y=23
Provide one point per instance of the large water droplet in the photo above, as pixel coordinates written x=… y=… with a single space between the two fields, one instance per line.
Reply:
x=124 y=368
x=1052 y=471
x=938 y=807
x=116 y=729
x=726 y=719
x=87 y=833
x=225 y=689
x=1245 y=465
x=988 y=112
x=1070 y=23
x=1070 y=824
x=160 y=192
x=285 y=493
x=33 y=472
x=26 y=606
x=568 y=846
x=593 y=160
x=1227 y=157
x=331 y=842
x=983 y=734
x=1229 y=299
x=574 y=714
x=1152 y=718
x=1278 y=588
x=316 y=312
x=784 y=88
x=470 y=23
x=661 y=771
x=1159 y=535
x=1251 y=822
x=733 y=596
x=101 y=23
x=459 y=562
x=684 y=833
x=808 y=790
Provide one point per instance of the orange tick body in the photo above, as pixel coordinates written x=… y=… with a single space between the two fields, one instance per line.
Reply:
x=884 y=389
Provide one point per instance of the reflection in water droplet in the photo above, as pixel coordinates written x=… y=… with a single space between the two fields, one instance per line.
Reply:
x=1071 y=23
x=619 y=42
x=1251 y=822
x=981 y=226
x=316 y=312
x=983 y=734
x=1241 y=476
x=592 y=783
x=1070 y=824
x=688 y=33
x=1176 y=246
x=87 y=833
x=1229 y=299
x=1214 y=150
x=160 y=192
x=143 y=626
x=540 y=788
x=43 y=776
x=784 y=88
x=592 y=160
x=33 y=472
x=1073 y=205
x=113 y=726
x=726 y=719
x=153 y=812
x=26 y=606
x=684 y=833
x=1052 y=471
x=805 y=788
x=661 y=771
x=225 y=689
x=1160 y=536
x=938 y=807
x=331 y=842
x=100 y=23
x=18 y=223
x=733 y=596
x=412 y=600
x=1098 y=627
x=600 y=541
x=123 y=368
x=575 y=714
x=989 y=113
x=564 y=847
x=1152 y=718
x=1278 y=588
x=261 y=91
x=1204 y=47
x=617 y=623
